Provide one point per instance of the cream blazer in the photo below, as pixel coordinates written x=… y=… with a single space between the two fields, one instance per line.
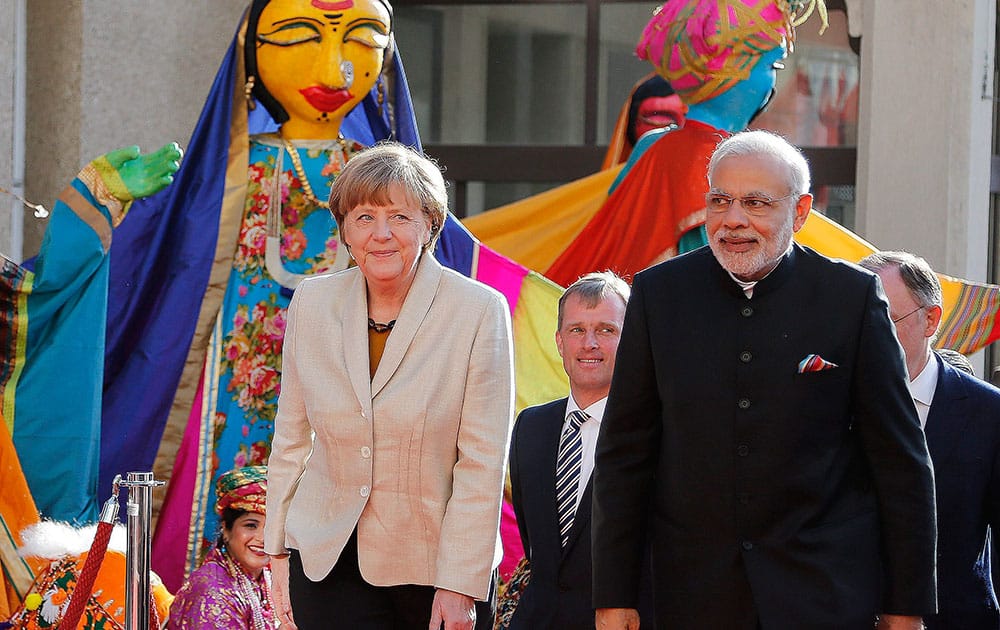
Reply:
x=415 y=457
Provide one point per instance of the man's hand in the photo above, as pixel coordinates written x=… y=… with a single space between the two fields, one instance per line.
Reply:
x=145 y=175
x=899 y=622
x=279 y=593
x=454 y=610
x=617 y=619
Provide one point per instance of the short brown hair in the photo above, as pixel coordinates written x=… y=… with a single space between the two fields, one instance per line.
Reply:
x=593 y=288
x=370 y=175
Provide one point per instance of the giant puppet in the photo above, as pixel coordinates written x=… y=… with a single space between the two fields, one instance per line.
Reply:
x=626 y=218
x=201 y=275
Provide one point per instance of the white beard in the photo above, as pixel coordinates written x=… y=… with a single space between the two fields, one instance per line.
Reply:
x=759 y=260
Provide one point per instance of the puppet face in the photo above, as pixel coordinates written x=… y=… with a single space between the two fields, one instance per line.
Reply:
x=320 y=59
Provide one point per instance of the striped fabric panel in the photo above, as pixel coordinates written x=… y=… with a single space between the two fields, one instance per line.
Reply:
x=15 y=285
x=972 y=323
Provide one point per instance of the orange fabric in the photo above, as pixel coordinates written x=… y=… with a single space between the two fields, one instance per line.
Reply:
x=662 y=197
x=17 y=511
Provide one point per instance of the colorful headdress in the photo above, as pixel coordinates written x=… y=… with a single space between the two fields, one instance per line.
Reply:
x=704 y=47
x=242 y=489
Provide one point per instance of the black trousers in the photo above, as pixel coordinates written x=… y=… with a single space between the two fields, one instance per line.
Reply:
x=344 y=600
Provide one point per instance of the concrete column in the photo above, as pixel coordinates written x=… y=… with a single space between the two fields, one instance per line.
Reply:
x=106 y=74
x=11 y=125
x=925 y=129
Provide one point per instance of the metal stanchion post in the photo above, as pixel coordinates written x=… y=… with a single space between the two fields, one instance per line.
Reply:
x=139 y=509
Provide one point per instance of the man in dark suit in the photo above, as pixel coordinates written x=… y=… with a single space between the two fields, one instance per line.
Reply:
x=961 y=419
x=550 y=486
x=759 y=420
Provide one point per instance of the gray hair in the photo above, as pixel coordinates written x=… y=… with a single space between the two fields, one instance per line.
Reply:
x=765 y=143
x=917 y=275
x=370 y=175
x=593 y=288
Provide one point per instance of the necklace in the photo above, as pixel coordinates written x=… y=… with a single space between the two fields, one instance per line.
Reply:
x=257 y=600
x=342 y=156
x=272 y=259
x=379 y=327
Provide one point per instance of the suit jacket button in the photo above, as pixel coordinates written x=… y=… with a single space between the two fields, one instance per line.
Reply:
x=746 y=356
x=744 y=498
x=747 y=545
x=744 y=403
x=742 y=450
x=746 y=311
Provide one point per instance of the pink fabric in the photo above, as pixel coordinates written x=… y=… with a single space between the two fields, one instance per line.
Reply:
x=170 y=541
x=503 y=274
x=513 y=550
x=692 y=45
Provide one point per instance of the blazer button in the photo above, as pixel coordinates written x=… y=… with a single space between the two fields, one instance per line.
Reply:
x=366 y=452
x=742 y=450
x=746 y=311
x=744 y=403
x=365 y=491
x=745 y=356
x=747 y=545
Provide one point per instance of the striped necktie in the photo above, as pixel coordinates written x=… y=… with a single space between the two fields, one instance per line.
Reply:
x=568 y=472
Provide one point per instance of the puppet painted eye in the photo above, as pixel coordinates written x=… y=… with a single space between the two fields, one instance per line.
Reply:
x=291 y=34
x=370 y=34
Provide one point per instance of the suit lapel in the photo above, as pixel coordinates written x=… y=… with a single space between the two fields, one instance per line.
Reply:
x=581 y=520
x=355 y=339
x=947 y=418
x=547 y=449
x=418 y=302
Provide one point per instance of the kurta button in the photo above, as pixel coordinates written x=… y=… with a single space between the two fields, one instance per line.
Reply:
x=742 y=450
x=747 y=545
x=744 y=403
x=365 y=491
x=746 y=311
x=366 y=452
x=745 y=356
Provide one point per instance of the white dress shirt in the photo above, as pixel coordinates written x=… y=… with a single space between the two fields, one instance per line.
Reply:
x=922 y=389
x=588 y=436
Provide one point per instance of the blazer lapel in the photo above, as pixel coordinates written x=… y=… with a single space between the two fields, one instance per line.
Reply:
x=582 y=518
x=418 y=302
x=947 y=417
x=354 y=333
x=548 y=451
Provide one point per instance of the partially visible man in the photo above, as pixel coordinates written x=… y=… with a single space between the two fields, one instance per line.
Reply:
x=763 y=427
x=961 y=419
x=552 y=456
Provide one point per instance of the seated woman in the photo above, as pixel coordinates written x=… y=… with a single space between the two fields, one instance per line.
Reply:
x=232 y=588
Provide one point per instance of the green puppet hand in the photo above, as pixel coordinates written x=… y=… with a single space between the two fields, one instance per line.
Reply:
x=144 y=175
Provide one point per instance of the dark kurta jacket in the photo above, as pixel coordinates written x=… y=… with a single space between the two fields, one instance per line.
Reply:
x=775 y=496
x=963 y=435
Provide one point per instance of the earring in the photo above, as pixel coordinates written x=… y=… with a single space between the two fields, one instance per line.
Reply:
x=248 y=92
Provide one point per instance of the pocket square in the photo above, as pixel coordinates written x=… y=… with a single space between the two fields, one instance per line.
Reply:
x=815 y=363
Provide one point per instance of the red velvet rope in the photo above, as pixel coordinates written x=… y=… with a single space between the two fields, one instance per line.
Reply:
x=85 y=583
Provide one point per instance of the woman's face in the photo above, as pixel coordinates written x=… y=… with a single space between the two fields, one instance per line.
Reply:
x=386 y=241
x=319 y=59
x=245 y=542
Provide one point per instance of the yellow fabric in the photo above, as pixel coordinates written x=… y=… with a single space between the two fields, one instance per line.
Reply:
x=538 y=370
x=534 y=231
x=970 y=308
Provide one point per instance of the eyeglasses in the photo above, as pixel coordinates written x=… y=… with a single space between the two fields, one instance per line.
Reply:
x=899 y=319
x=754 y=205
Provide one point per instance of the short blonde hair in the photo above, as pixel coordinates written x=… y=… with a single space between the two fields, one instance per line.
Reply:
x=371 y=174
